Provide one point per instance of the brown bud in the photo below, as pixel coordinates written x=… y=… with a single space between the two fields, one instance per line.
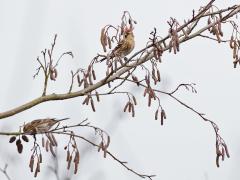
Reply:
x=19 y=148
x=92 y=105
x=25 y=138
x=217 y=160
x=12 y=139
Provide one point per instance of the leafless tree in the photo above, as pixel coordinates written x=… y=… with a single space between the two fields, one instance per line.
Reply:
x=121 y=70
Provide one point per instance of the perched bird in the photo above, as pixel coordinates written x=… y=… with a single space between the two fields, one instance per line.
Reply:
x=125 y=46
x=41 y=125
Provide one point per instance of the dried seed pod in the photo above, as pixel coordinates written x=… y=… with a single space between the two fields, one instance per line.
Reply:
x=133 y=111
x=68 y=155
x=217 y=160
x=93 y=74
x=170 y=46
x=36 y=172
x=108 y=141
x=219 y=27
x=100 y=146
x=218 y=36
x=77 y=157
x=97 y=96
x=25 y=138
x=134 y=100
x=40 y=158
x=126 y=107
x=223 y=154
x=51 y=150
x=54 y=139
x=104 y=152
x=86 y=100
x=47 y=145
x=103 y=39
x=163 y=116
x=12 y=139
x=50 y=139
x=158 y=75
x=92 y=105
x=78 y=80
x=75 y=168
x=235 y=49
x=156 y=115
x=109 y=43
x=231 y=42
x=145 y=92
x=31 y=163
x=130 y=107
x=55 y=72
x=69 y=162
x=149 y=100
x=38 y=166
x=90 y=79
x=20 y=148
x=43 y=142
x=226 y=150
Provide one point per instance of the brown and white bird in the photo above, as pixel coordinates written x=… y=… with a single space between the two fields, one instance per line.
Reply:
x=125 y=46
x=41 y=125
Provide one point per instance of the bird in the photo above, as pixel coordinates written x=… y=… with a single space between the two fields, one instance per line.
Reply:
x=124 y=46
x=41 y=125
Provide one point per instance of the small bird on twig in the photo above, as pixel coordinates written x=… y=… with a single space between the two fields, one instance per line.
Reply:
x=41 y=125
x=124 y=46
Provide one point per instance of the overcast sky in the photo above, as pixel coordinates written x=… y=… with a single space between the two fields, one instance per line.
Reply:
x=183 y=149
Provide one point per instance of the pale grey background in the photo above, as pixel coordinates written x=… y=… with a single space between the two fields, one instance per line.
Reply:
x=184 y=148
